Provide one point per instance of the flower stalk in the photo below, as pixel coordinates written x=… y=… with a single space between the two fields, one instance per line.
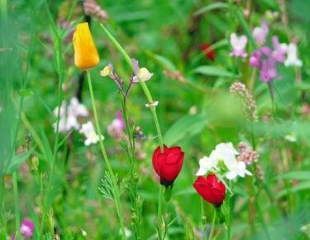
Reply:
x=115 y=190
x=144 y=87
x=161 y=221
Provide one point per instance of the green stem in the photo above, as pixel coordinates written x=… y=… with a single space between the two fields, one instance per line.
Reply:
x=160 y=218
x=115 y=190
x=130 y=145
x=264 y=225
x=213 y=225
x=3 y=6
x=153 y=111
x=117 y=45
x=142 y=84
x=16 y=202
x=136 y=213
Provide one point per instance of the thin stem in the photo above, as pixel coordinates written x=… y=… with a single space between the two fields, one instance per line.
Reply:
x=142 y=84
x=264 y=225
x=3 y=7
x=271 y=93
x=117 y=45
x=213 y=225
x=153 y=111
x=115 y=191
x=159 y=212
x=16 y=202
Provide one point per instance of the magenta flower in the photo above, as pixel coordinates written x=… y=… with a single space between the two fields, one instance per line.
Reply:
x=116 y=127
x=266 y=59
x=27 y=228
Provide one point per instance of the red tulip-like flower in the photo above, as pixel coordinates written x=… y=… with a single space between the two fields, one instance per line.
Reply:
x=208 y=51
x=211 y=189
x=167 y=163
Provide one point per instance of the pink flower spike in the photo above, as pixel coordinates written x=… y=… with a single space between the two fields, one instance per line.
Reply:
x=260 y=33
x=116 y=127
x=238 y=45
x=27 y=228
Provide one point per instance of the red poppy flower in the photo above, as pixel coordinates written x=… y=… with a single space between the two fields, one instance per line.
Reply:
x=167 y=163
x=208 y=51
x=211 y=189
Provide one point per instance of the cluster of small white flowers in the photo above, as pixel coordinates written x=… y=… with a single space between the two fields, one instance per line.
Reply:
x=68 y=120
x=68 y=115
x=224 y=153
x=89 y=132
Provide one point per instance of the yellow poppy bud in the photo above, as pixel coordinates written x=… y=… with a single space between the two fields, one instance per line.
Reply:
x=85 y=51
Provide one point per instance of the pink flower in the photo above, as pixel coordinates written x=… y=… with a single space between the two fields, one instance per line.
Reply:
x=260 y=33
x=27 y=228
x=116 y=128
x=279 y=50
x=255 y=59
x=266 y=59
x=238 y=45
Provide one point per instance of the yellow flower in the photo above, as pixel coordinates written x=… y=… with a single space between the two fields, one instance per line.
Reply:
x=85 y=51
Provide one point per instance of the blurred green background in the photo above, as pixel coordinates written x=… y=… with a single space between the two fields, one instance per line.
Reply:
x=195 y=111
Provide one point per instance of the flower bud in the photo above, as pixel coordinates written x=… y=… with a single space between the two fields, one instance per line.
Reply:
x=167 y=163
x=85 y=51
x=211 y=189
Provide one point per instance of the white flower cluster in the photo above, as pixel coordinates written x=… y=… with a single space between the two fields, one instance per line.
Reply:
x=223 y=154
x=68 y=120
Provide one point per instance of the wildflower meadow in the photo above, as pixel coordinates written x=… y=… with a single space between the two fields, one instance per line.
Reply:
x=154 y=119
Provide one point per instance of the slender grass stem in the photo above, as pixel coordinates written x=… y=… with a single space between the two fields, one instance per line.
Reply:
x=159 y=212
x=3 y=7
x=16 y=203
x=213 y=225
x=115 y=190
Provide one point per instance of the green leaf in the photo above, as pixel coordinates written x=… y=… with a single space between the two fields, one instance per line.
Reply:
x=238 y=13
x=214 y=71
x=184 y=128
x=17 y=160
x=163 y=61
x=303 y=86
x=299 y=187
x=296 y=175
x=25 y=92
x=210 y=7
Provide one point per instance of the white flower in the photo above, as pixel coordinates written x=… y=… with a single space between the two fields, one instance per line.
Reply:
x=205 y=165
x=235 y=169
x=153 y=104
x=238 y=45
x=225 y=152
x=68 y=115
x=66 y=123
x=77 y=109
x=143 y=75
x=292 y=58
x=89 y=132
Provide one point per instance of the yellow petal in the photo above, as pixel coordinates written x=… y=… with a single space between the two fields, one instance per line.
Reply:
x=85 y=51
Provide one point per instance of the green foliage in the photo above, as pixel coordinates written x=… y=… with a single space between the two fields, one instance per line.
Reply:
x=64 y=186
